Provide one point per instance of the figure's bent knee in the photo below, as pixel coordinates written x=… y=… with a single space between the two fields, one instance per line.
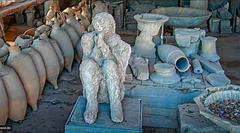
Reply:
x=88 y=65
x=107 y=64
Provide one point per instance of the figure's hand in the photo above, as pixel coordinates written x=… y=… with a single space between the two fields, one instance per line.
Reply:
x=98 y=39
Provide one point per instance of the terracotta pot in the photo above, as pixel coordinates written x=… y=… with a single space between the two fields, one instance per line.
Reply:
x=24 y=41
x=3 y=50
x=65 y=45
x=50 y=59
x=17 y=102
x=79 y=51
x=3 y=104
x=39 y=64
x=30 y=32
x=72 y=33
x=59 y=53
x=27 y=73
x=75 y=24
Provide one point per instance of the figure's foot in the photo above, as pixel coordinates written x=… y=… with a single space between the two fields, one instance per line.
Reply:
x=90 y=114
x=116 y=112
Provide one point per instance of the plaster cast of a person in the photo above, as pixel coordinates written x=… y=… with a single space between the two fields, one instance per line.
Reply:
x=102 y=71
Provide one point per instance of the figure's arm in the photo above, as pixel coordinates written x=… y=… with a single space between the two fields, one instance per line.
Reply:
x=120 y=49
x=87 y=44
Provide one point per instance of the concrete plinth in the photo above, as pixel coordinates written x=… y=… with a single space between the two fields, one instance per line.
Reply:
x=132 y=123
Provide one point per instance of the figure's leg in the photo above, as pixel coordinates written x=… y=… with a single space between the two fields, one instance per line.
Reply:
x=90 y=76
x=110 y=72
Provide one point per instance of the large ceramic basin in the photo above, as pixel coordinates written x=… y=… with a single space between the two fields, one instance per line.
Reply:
x=184 y=17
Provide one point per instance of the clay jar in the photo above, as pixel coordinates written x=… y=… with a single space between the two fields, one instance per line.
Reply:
x=24 y=41
x=149 y=26
x=173 y=55
x=72 y=33
x=39 y=65
x=208 y=50
x=3 y=50
x=58 y=52
x=17 y=102
x=75 y=24
x=164 y=74
x=3 y=104
x=49 y=57
x=65 y=45
x=25 y=68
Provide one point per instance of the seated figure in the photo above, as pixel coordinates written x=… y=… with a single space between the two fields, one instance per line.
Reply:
x=103 y=67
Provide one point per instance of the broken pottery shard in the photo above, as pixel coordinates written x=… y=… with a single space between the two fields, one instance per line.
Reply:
x=103 y=68
x=218 y=79
x=139 y=66
x=207 y=65
x=197 y=67
x=188 y=40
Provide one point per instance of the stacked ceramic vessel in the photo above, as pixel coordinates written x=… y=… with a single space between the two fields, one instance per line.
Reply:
x=27 y=64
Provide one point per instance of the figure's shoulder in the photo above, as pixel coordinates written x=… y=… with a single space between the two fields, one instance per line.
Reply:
x=87 y=36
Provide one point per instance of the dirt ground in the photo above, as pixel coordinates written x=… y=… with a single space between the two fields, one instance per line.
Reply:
x=55 y=105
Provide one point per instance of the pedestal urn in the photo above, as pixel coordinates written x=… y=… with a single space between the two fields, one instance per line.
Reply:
x=149 y=26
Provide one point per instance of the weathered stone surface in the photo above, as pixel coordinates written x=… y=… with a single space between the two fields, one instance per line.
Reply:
x=214 y=24
x=238 y=24
x=103 y=68
x=223 y=13
x=225 y=24
x=190 y=121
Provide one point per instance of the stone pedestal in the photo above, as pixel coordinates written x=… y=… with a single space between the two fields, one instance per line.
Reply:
x=160 y=103
x=190 y=121
x=132 y=123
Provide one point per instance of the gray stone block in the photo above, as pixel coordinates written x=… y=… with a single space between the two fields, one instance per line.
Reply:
x=226 y=30
x=223 y=13
x=214 y=24
x=225 y=24
x=19 y=18
x=191 y=121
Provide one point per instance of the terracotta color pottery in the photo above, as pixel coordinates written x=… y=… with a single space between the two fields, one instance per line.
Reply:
x=58 y=51
x=50 y=59
x=17 y=102
x=3 y=50
x=72 y=33
x=39 y=64
x=3 y=104
x=65 y=45
x=75 y=24
x=25 y=68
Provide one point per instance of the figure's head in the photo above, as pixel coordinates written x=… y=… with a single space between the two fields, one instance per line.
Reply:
x=104 y=22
